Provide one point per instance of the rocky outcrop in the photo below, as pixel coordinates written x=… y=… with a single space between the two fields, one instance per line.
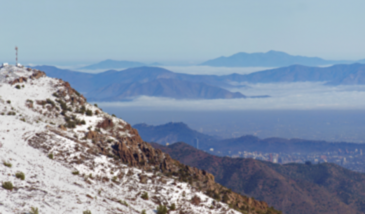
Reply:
x=106 y=123
x=92 y=135
x=135 y=152
x=37 y=74
x=19 y=80
x=62 y=127
x=73 y=95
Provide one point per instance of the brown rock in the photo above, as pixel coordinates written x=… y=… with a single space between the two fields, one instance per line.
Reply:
x=91 y=135
x=143 y=178
x=106 y=123
x=195 y=200
x=37 y=74
x=19 y=80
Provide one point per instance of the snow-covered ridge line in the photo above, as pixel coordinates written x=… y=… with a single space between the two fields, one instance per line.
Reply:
x=76 y=157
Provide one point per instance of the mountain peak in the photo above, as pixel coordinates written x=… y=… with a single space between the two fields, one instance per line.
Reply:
x=271 y=58
x=177 y=124
x=273 y=52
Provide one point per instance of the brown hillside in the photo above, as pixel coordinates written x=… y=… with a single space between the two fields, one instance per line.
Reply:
x=135 y=152
x=292 y=188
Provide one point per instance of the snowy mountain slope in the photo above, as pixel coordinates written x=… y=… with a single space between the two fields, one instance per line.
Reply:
x=75 y=157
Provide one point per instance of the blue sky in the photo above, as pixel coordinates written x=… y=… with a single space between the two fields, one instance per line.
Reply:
x=85 y=31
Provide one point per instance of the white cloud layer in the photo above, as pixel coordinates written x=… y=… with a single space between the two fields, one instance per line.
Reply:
x=291 y=96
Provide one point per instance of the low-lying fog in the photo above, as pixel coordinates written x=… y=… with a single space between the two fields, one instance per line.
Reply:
x=294 y=110
x=293 y=96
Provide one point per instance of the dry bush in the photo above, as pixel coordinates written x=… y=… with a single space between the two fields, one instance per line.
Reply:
x=145 y=196
x=161 y=209
x=123 y=203
x=20 y=175
x=34 y=210
x=7 y=164
x=173 y=207
x=8 y=185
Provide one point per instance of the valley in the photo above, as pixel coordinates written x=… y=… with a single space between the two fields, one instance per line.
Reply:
x=275 y=150
x=292 y=188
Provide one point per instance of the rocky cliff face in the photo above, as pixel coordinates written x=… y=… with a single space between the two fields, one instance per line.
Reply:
x=102 y=151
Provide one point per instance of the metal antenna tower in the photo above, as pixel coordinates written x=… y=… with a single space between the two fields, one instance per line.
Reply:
x=16 y=55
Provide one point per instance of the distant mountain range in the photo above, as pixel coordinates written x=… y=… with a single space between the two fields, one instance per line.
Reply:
x=113 y=64
x=242 y=59
x=180 y=132
x=268 y=59
x=118 y=64
x=178 y=89
x=352 y=74
x=122 y=85
x=361 y=61
x=293 y=188
x=174 y=132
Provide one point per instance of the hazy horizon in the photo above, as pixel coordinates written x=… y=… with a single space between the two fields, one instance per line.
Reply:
x=70 y=32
